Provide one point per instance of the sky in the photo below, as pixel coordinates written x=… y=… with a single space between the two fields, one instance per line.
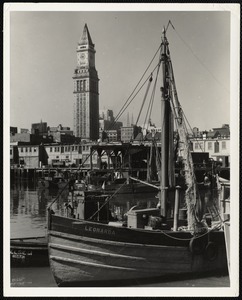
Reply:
x=43 y=58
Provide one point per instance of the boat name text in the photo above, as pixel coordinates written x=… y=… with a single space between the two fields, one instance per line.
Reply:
x=99 y=230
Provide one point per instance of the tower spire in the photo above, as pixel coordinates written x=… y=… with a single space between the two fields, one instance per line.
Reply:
x=86 y=37
x=86 y=95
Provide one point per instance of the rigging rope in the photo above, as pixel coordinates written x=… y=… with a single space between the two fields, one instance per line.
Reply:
x=107 y=200
x=58 y=196
x=146 y=93
x=218 y=226
x=180 y=108
x=127 y=105
x=152 y=98
x=199 y=60
x=150 y=107
x=124 y=106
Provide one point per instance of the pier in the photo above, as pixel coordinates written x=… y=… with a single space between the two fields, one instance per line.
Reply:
x=20 y=173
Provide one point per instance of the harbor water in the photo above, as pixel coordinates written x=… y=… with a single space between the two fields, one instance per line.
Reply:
x=28 y=205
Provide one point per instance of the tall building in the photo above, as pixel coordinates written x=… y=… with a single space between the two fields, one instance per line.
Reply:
x=13 y=130
x=61 y=134
x=128 y=134
x=106 y=114
x=39 y=128
x=86 y=94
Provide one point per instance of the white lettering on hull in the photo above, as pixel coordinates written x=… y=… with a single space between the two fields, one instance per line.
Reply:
x=99 y=230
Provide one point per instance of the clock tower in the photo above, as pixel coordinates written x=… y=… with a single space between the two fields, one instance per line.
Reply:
x=86 y=93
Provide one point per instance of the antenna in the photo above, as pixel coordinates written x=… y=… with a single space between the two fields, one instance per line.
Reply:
x=128 y=123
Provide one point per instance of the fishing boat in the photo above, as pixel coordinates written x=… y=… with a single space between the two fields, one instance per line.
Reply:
x=29 y=252
x=87 y=247
x=53 y=182
x=44 y=182
x=58 y=182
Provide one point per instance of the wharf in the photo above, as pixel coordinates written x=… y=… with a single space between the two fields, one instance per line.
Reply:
x=35 y=173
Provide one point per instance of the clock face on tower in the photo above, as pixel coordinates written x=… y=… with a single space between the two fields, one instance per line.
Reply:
x=83 y=58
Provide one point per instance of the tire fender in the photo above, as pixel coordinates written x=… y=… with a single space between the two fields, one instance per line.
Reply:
x=197 y=245
x=211 y=251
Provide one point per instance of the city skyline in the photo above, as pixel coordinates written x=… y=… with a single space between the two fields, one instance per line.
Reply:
x=45 y=52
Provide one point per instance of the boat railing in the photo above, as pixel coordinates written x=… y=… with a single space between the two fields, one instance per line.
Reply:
x=28 y=238
x=225 y=201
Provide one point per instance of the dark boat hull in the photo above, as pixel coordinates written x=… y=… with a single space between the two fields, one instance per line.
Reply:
x=82 y=252
x=57 y=185
x=43 y=183
x=29 y=252
x=131 y=188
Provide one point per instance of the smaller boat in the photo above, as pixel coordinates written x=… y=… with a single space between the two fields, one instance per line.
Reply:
x=43 y=182
x=52 y=181
x=58 y=182
x=29 y=252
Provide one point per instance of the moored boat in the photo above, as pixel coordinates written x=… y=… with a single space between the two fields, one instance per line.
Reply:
x=91 y=251
x=43 y=182
x=29 y=252
x=58 y=182
x=53 y=181
x=88 y=247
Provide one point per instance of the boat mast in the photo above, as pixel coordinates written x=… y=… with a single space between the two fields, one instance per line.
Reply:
x=192 y=197
x=165 y=126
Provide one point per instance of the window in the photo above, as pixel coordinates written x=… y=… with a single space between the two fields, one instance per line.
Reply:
x=196 y=145
x=35 y=149
x=57 y=156
x=223 y=145
x=67 y=156
x=72 y=148
x=30 y=149
x=50 y=149
x=22 y=149
x=210 y=146
x=26 y=149
x=216 y=147
x=199 y=146
x=11 y=151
